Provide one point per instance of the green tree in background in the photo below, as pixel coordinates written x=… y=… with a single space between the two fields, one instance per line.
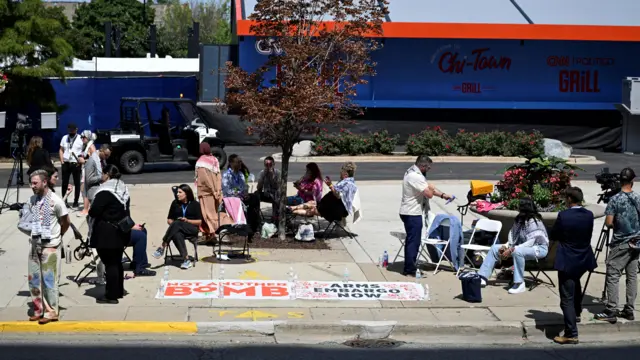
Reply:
x=32 y=47
x=88 y=27
x=213 y=16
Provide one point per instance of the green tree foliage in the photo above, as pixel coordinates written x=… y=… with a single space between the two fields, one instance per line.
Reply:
x=213 y=16
x=127 y=15
x=32 y=47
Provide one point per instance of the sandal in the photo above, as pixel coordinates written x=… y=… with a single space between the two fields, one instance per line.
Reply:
x=45 y=321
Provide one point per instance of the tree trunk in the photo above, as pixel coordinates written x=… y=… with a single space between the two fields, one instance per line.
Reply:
x=284 y=174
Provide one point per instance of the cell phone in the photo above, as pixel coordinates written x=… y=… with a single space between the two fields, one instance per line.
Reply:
x=327 y=179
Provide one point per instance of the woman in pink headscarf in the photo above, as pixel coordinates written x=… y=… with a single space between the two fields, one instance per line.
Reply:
x=209 y=185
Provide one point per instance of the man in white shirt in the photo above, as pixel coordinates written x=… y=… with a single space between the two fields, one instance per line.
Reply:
x=50 y=222
x=69 y=145
x=415 y=193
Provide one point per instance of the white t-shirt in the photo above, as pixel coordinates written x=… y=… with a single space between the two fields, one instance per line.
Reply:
x=59 y=210
x=70 y=145
x=413 y=197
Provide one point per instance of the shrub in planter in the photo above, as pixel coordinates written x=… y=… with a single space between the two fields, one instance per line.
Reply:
x=542 y=179
x=500 y=143
x=432 y=142
x=348 y=143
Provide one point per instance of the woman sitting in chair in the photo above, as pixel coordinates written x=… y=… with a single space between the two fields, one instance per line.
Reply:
x=309 y=186
x=338 y=203
x=528 y=240
x=184 y=221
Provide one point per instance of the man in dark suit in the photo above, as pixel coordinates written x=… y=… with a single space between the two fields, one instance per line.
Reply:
x=574 y=257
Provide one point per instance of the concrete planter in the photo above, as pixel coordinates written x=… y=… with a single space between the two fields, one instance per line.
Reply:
x=506 y=217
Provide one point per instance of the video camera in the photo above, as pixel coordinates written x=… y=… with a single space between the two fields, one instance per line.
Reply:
x=24 y=123
x=609 y=183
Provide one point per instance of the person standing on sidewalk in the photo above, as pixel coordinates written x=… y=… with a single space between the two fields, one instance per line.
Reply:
x=50 y=222
x=623 y=214
x=415 y=194
x=69 y=145
x=574 y=257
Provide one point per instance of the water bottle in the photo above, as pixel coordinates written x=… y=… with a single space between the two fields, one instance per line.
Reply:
x=290 y=273
x=221 y=273
x=165 y=280
x=346 y=275
x=380 y=261
x=67 y=254
x=488 y=198
x=220 y=283
x=426 y=292
x=418 y=275
x=385 y=259
x=292 y=295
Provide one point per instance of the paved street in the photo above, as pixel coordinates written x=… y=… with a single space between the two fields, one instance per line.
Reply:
x=54 y=347
x=181 y=173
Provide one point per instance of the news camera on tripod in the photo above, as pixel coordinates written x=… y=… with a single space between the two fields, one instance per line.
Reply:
x=623 y=217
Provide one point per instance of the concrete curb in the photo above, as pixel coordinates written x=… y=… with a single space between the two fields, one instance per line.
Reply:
x=345 y=329
x=576 y=160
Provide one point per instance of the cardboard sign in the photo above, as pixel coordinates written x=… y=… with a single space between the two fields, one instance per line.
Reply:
x=231 y=289
x=336 y=290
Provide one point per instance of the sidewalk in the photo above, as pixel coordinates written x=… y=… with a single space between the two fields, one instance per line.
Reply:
x=530 y=312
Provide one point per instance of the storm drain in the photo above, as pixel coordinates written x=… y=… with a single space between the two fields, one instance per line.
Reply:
x=373 y=344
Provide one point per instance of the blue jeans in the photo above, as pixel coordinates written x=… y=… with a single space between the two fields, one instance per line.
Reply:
x=139 y=245
x=294 y=200
x=520 y=255
x=413 y=228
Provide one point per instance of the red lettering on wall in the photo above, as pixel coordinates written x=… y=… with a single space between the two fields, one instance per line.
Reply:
x=572 y=81
x=451 y=62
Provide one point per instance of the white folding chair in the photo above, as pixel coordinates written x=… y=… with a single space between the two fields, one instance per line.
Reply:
x=424 y=251
x=485 y=225
x=402 y=237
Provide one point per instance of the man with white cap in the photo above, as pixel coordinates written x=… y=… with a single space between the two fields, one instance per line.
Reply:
x=70 y=149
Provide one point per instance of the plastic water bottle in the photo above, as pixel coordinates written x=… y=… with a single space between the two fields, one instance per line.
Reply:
x=426 y=292
x=220 y=283
x=292 y=295
x=346 y=275
x=165 y=280
x=385 y=259
x=418 y=275
x=290 y=273
x=67 y=254
x=380 y=261
x=221 y=277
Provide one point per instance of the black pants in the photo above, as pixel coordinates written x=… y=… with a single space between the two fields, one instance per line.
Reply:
x=275 y=204
x=253 y=212
x=570 y=302
x=68 y=170
x=178 y=231
x=114 y=272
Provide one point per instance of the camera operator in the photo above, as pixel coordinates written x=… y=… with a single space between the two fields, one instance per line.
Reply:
x=69 y=145
x=623 y=214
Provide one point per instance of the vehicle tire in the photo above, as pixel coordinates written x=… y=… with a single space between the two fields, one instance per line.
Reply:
x=220 y=154
x=131 y=162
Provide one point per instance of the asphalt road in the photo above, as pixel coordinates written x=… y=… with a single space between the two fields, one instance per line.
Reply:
x=182 y=173
x=54 y=347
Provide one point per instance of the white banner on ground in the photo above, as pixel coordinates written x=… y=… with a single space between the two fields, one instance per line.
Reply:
x=338 y=290
x=231 y=289
x=281 y=290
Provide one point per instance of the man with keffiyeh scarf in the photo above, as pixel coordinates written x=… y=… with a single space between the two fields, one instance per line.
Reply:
x=50 y=222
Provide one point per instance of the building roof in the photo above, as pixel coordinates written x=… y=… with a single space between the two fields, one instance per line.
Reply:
x=588 y=20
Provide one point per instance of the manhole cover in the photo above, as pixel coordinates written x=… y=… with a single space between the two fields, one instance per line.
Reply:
x=372 y=344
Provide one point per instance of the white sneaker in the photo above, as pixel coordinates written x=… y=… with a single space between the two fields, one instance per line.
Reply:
x=517 y=289
x=483 y=282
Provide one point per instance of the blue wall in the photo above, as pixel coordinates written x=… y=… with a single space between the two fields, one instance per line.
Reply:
x=501 y=74
x=94 y=103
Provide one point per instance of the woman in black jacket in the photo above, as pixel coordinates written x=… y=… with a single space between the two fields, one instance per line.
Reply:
x=37 y=157
x=110 y=206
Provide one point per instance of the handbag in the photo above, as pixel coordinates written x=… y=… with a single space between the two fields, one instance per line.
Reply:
x=125 y=225
x=471 y=287
x=26 y=219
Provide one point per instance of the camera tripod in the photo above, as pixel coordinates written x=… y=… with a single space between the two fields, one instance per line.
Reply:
x=603 y=244
x=17 y=170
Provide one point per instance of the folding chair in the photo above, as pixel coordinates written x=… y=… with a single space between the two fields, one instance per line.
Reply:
x=334 y=225
x=485 y=225
x=424 y=251
x=402 y=237
x=168 y=254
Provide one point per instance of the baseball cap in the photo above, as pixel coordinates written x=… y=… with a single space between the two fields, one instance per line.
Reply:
x=627 y=175
x=86 y=134
x=72 y=126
